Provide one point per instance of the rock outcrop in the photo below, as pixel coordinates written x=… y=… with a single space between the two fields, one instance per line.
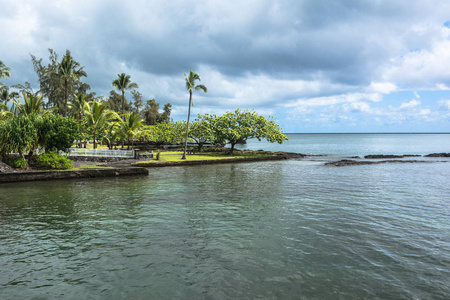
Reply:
x=438 y=155
x=4 y=168
x=347 y=162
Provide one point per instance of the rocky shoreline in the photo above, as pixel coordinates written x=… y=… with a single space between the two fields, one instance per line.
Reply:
x=386 y=159
x=130 y=167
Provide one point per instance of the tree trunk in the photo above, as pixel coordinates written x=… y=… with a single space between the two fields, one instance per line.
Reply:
x=187 y=124
x=123 y=104
x=65 y=98
x=30 y=154
x=95 y=143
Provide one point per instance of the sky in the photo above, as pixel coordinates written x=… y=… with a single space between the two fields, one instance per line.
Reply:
x=314 y=65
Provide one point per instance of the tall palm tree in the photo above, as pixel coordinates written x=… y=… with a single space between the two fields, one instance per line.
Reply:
x=129 y=126
x=190 y=86
x=4 y=71
x=97 y=115
x=122 y=83
x=70 y=70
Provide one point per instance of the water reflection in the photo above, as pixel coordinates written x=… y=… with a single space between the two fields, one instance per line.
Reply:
x=262 y=230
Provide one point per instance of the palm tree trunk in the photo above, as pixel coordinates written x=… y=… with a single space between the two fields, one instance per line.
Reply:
x=187 y=124
x=95 y=145
x=65 y=98
x=123 y=104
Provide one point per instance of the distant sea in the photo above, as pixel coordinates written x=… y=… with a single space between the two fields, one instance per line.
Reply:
x=352 y=144
x=290 y=229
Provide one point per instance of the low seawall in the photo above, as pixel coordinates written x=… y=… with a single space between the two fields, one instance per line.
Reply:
x=55 y=175
x=208 y=162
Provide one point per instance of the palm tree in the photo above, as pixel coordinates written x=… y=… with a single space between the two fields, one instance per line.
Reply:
x=69 y=69
x=32 y=105
x=129 y=126
x=6 y=96
x=190 y=86
x=77 y=109
x=111 y=134
x=123 y=83
x=78 y=106
x=4 y=71
x=5 y=112
x=97 y=115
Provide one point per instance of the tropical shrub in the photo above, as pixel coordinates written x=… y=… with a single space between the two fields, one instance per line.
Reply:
x=57 y=132
x=18 y=163
x=54 y=161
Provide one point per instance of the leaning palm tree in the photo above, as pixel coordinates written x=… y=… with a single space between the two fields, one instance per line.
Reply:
x=190 y=86
x=129 y=126
x=70 y=70
x=97 y=115
x=122 y=83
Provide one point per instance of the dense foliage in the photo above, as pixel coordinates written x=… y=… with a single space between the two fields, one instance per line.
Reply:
x=239 y=126
x=54 y=161
x=63 y=112
x=57 y=133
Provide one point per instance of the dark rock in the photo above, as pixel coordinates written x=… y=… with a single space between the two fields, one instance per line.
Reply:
x=347 y=162
x=293 y=155
x=381 y=156
x=438 y=155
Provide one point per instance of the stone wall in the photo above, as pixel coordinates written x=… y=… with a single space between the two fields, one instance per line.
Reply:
x=54 y=175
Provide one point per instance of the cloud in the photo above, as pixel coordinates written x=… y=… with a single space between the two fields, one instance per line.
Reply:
x=289 y=57
x=444 y=104
x=410 y=104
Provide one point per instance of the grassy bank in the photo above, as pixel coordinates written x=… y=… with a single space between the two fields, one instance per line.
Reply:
x=203 y=156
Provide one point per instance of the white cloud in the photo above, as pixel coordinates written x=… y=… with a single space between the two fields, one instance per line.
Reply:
x=337 y=99
x=444 y=104
x=425 y=68
x=410 y=104
x=382 y=87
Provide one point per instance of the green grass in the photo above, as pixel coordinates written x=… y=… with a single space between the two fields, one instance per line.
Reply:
x=91 y=146
x=176 y=156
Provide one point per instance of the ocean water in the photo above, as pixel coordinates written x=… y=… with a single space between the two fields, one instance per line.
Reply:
x=359 y=144
x=292 y=229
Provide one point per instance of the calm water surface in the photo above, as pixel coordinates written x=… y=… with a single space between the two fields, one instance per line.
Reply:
x=274 y=230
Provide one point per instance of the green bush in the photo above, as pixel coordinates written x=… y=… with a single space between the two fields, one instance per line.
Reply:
x=18 y=163
x=54 y=161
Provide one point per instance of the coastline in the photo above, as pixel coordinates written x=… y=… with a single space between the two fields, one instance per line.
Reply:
x=130 y=167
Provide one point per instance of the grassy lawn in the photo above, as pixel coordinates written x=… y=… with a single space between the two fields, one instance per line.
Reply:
x=176 y=156
x=91 y=146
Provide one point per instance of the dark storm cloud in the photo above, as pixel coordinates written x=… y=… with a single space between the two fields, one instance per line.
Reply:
x=255 y=53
